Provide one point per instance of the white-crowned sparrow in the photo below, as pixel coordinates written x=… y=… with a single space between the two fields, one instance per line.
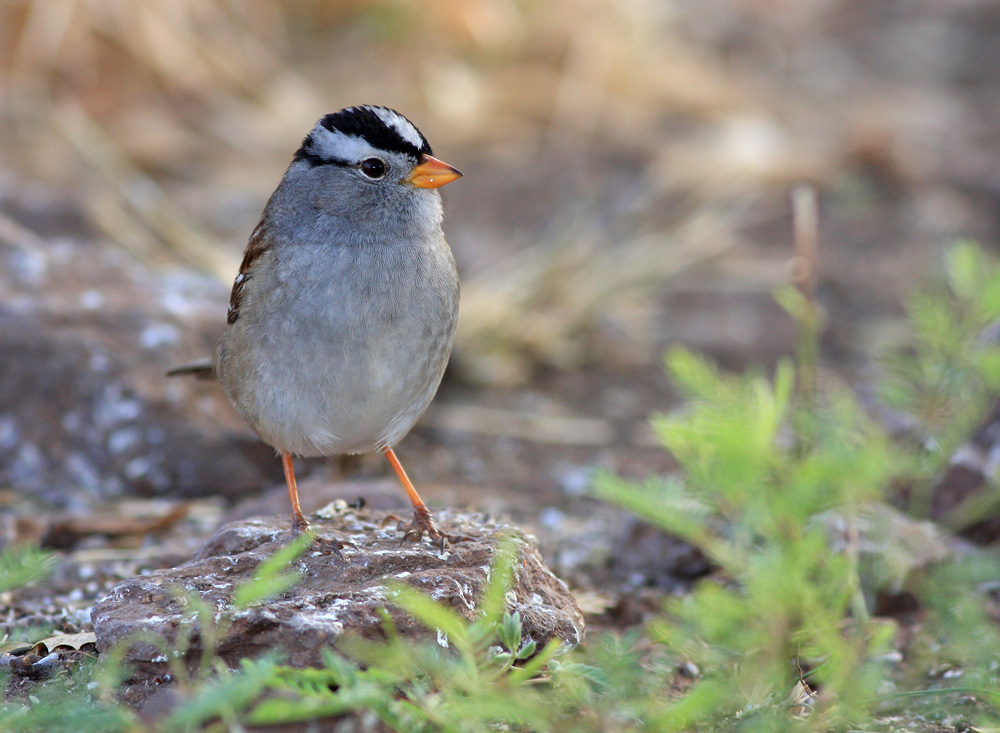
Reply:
x=342 y=317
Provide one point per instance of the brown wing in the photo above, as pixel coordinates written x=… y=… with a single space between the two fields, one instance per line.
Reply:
x=255 y=248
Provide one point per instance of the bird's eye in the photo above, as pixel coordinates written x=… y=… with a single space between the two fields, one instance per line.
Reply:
x=373 y=168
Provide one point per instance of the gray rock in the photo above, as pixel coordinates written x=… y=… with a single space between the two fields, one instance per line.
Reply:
x=339 y=592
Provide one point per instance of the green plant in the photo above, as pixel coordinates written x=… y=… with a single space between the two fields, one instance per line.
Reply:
x=759 y=463
x=947 y=379
x=748 y=491
x=23 y=564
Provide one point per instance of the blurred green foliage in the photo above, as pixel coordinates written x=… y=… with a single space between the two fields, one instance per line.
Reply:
x=23 y=564
x=946 y=380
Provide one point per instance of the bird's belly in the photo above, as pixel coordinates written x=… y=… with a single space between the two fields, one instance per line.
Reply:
x=341 y=390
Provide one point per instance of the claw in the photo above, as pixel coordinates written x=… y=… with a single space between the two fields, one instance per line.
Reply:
x=423 y=524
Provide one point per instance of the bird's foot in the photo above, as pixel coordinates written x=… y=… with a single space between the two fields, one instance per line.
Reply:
x=299 y=524
x=423 y=524
x=327 y=546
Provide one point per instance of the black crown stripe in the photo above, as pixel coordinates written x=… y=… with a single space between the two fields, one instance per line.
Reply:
x=362 y=122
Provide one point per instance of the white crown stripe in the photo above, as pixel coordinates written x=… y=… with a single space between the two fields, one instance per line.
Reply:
x=335 y=145
x=403 y=127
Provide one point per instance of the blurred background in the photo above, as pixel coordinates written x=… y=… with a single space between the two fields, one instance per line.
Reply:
x=628 y=167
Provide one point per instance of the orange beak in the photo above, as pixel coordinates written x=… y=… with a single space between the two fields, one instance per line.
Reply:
x=433 y=173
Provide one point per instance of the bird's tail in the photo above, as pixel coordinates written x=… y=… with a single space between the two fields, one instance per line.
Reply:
x=202 y=369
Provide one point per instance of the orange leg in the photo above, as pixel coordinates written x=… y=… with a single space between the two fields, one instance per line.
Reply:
x=299 y=523
x=422 y=522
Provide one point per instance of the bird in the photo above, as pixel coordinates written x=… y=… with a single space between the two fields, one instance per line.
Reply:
x=342 y=317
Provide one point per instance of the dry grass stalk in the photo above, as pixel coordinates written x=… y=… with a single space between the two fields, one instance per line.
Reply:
x=141 y=195
x=805 y=216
